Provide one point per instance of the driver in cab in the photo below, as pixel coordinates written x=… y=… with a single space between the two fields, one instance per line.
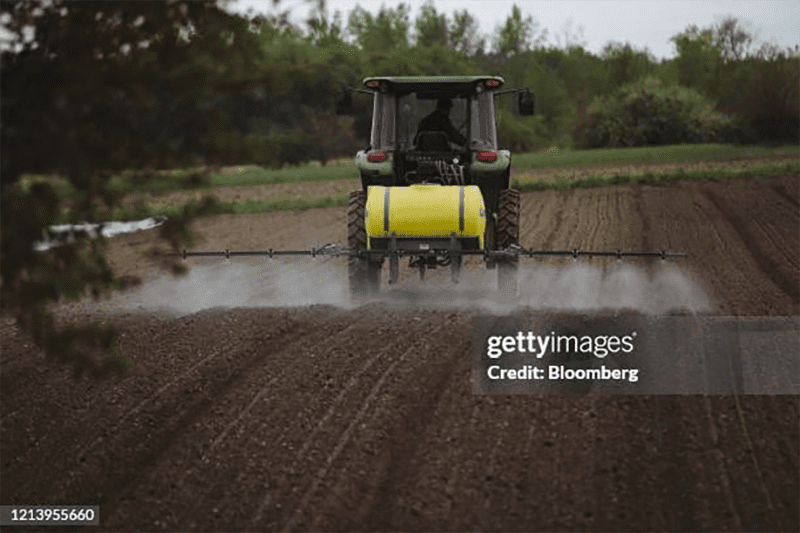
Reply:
x=439 y=121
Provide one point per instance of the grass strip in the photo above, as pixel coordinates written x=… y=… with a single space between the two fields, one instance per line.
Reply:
x=661 y=178
x=186 y=180
x=555 y=158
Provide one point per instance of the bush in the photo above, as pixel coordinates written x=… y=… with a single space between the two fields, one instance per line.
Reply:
x=295 y=147
x=649 y=113
x=769 y=106
x=520 y=134
x=229 y=148
x=552 y=102
x=261 y=150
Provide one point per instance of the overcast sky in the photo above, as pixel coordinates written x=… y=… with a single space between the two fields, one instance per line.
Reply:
x=643 y=23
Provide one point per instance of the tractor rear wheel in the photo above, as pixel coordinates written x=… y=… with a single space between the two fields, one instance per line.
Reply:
x=364 y=274
x=507 y=233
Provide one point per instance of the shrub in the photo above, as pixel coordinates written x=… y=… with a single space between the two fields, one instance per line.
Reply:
x=295 y=147
x=649 y=113
x=261 y=150
x=229 y=148
x=520 y=134
x=769 y=106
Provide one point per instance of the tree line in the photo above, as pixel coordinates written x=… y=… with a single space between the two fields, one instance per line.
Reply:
x=224 y=88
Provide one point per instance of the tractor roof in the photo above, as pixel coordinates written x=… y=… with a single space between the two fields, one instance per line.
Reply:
x=459 y=84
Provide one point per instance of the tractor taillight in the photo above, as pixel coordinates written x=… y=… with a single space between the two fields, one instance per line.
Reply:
x=487 y=156
x=372 y=83
x=492 y=83
x=377 y=156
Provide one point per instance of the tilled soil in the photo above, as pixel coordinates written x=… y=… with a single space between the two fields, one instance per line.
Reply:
x=283 y=414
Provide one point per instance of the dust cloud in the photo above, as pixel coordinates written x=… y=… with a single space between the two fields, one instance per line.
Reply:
x=582 y=287
x=578 y=287
x=239 y=284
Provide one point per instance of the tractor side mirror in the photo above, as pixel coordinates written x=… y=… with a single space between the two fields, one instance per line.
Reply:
x=525 y=103
x=344 y=103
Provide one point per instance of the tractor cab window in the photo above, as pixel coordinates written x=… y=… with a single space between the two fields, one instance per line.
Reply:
x=483 y=130
x=418 y=112
x=383 y=126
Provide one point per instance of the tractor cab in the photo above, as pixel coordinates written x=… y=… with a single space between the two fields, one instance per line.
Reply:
x=431 y=130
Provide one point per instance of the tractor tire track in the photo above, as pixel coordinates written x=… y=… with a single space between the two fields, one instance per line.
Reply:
x=318 y=447
x=642 y=218
x=385 y=426
x=219 y=426
x=297 y=516
x=759 y=252
x=788 y=192
x=749 y=447
x=439 y=355
x=154 y=446
x=684 y=217
x=212 y=480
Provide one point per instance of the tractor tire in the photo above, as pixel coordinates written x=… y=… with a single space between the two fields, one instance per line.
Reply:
x=364 y=274
x=506 y=234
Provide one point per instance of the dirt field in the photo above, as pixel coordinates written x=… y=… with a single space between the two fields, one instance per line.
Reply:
x=287 y=412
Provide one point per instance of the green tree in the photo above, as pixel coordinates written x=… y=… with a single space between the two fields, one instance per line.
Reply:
x=520 y=134
x=571 y=79
x=518 y=35
x=383 y=33
x=710 y=60
x=464 y=35
x=699 y=59
x=769 y=105
x=432 y=27
x=553 y=104
x=86 y=97
x=420 y=60
x=324 y=31
x=285 y=44
x=625 y=63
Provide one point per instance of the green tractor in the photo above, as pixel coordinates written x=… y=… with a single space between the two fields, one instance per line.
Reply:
x=435 y=185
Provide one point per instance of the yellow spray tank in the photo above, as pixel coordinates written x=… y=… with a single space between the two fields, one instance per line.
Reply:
x=424 y=212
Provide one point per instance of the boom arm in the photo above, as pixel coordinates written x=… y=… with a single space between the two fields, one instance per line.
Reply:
x=335 y=250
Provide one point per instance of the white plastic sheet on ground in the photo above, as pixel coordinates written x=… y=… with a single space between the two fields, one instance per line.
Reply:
x=65 y=233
